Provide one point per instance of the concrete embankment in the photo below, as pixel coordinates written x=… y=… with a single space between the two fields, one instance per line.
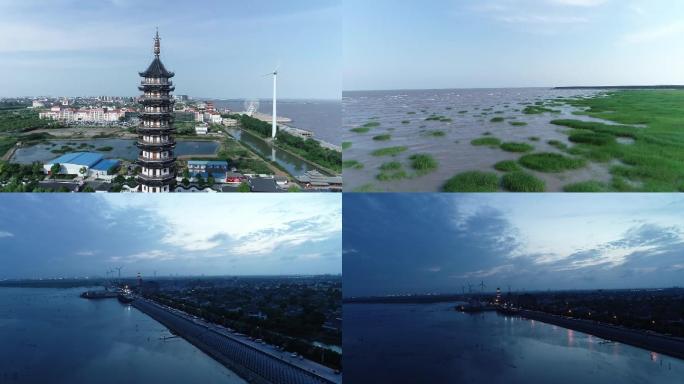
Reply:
x=250 y=362
x=653 y=342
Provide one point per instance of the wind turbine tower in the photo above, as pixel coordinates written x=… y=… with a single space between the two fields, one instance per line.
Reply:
x=275 y=116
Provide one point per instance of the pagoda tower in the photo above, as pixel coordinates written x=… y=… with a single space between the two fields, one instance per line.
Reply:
x=155 y=133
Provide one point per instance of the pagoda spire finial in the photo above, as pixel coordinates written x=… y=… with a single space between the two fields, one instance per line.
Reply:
x=157 y=46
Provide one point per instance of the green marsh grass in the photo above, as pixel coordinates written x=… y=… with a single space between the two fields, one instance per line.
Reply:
x=516 y=147
x=507 y=166
x=550 y=162
x=389 y=151
x=423 y=163
x=351 y=164
x=383 y=137
x=474 y=181
x=346 y=145
x=522 y=182
x=486 y=141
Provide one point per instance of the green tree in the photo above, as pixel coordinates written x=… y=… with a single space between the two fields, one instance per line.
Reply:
x=186 y=173
x=88 y=188
x=185 y=182
x=54 y=170
x=83 y=171
x=211 y=181
x=244 y=187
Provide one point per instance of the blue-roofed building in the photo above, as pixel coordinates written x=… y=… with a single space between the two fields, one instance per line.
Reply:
x=73 y=163
x=205 y=168
x=101 y=169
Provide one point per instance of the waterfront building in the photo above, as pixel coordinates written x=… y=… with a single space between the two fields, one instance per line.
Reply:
x=73 y=164
x=205 y=168
x=155 y=132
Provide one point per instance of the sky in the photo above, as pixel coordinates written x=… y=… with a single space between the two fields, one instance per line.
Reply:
x=439 y=243
x=217 y=48
x=412 y=44
x=50 y=236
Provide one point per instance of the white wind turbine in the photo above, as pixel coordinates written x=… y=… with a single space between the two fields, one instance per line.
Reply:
x=275 y=116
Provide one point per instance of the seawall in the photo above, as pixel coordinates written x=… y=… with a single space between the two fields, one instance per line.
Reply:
x=653 y=342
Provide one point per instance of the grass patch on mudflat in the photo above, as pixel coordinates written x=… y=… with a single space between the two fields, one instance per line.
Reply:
x=517 y=123
x=434 y=133
x=537 y=110
x=389 y=151
x=346 y=145
x=587 y=187
x=371 y=124
x=507 y=166
x=392 y=171
x=486 y=141
x=360 y=130
x=423 y=163
x=551 y=162
x=383 y=137
x=655 y=161
x=443 y=119
x=522 y=182
x=517 y=147
x=557 y=144
x=351 y=164
x=474 y=181
x=497 y=120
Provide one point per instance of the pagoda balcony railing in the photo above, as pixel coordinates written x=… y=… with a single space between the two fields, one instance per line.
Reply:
x=160 y=113
x=156 y=86
x=155 y=180
x=160 y=144
x=155 y=82
x=157 y=98
x=158 y=160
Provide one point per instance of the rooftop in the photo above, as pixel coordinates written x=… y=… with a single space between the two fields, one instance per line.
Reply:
x=105 y=165
x=87 y=159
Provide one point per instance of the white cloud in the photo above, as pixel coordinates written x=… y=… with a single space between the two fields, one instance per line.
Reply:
x=5 y=234
x=651 y=34
x=242 y=225
x=86 y=253
x=156 y=255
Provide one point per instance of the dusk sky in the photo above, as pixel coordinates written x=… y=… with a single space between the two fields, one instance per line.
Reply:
x=221 y=234
x=217 y=48
x=438 y=243
x=412 y=44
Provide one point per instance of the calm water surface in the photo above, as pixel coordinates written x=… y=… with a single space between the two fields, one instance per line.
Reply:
x=122 y=149
x=322 y=117
x=54 y=336
x=471 y=111
x=434 y=344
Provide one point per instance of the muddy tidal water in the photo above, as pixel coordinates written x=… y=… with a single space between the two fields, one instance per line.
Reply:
x=403 y=114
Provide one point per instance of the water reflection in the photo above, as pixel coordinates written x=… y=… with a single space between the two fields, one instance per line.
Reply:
x=411 y=343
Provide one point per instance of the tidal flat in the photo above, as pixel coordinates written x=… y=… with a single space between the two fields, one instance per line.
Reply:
x=539 y=139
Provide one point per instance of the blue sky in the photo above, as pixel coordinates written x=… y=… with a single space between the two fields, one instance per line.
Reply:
x=438 y=243
x=411 y=44
x=65 y=236
x=217 y=48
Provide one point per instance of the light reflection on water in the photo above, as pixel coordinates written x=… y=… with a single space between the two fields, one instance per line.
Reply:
x=411 y=343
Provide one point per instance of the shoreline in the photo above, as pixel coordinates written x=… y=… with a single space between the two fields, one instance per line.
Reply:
x=250 y=362
x=649 y=341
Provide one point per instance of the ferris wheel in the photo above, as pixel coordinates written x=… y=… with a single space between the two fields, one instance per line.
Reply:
x=251 y=107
